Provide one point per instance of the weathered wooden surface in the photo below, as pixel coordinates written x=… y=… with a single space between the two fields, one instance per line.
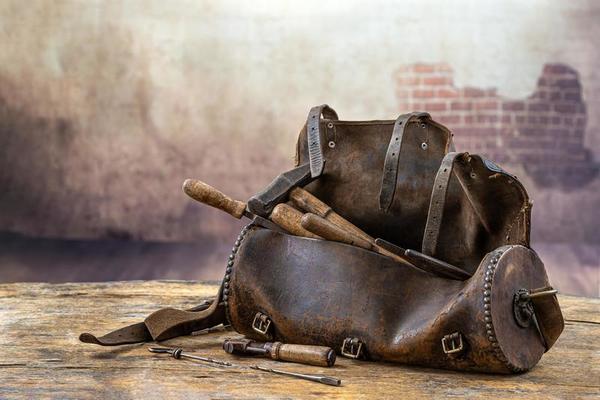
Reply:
x=40 y=356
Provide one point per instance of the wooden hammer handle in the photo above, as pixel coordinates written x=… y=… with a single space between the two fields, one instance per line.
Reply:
x=207 y=194
x=306 y=201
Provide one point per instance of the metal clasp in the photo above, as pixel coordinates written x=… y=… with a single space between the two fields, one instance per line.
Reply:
x=453 y=343
x=261 y=323
x=352 y=348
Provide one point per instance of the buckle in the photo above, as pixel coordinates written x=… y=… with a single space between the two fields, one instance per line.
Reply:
x=453 y=343
x=352 y=348
x=261 y=323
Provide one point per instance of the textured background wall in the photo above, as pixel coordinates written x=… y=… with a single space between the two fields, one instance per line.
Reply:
x=105 y=107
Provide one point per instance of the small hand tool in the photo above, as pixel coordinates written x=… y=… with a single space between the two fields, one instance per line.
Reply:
x=207 y=194
x=178 y=353
x=321 y=356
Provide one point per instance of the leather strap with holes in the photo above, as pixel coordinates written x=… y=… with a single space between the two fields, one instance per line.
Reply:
x=313 y=123
x=437 y=204
x=392 y=157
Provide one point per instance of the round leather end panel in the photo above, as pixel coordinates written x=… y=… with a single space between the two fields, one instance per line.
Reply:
x=513 y=268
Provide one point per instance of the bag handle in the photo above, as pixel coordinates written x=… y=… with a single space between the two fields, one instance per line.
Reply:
x=313 y=128
x=392 y=157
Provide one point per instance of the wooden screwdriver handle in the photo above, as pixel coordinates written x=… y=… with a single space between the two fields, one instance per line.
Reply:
x=289 y=218
x=207 y=194
x=306 y=201
x=321 y=356
x=329 y=231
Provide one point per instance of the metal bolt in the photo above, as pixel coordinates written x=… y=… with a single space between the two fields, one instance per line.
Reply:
x=331 y=144
x=424 y=146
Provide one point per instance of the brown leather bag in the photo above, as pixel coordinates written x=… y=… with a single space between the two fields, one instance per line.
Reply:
x=398 y=181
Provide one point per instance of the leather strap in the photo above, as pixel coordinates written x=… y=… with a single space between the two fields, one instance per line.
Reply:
x=313 y=123
x=437 y=203
x=163 y=324
x=392 y=157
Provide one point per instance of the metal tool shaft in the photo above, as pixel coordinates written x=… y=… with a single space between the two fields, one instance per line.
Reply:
x=178 y=353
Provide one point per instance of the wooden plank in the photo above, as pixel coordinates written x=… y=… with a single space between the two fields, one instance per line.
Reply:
x=40 y=356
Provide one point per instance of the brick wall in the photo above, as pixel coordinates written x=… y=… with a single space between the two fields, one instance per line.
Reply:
x=544 y=132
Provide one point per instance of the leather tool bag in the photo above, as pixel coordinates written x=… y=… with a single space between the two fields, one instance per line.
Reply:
x=400 y=181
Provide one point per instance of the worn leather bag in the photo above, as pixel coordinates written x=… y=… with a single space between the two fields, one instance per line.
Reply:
x=400 y=181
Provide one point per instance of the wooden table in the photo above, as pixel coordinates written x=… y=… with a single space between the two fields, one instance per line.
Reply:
x=41 y=357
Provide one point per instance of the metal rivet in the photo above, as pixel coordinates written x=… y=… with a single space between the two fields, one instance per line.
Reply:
x=486 y=292
x=424 y=146
x=330 y=125
x=486 y=300
x=487 y=313
x=486 y=306
x=489 y=332
x=331 y=144
x=473 y=175
x=231 y=257
x=226 y=284
x=423 y=126
x=492 y=339
x=226 y=291
x=488 y=326
x=487 y=319
x=228 y=270
x=225 y=297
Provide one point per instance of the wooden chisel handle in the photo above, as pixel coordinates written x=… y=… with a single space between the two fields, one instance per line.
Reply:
x=321 y=356
x=306 y=201
x=207 y=194
x=289 y=218
x=329 y=231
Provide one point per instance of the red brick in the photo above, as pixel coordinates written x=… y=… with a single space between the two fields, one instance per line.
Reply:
x=435 y=106
x=538 y=106
x=423 y=68
x=487 y=118
x=448 y=119
x=447 y=93
x=565 y=108
x=423 y=93
x=555 y=96
x=437 y=80
x=567 y=83
x=459 y=105
x=486 y=105
x=473 y=92
x=514 y=106
x=573 y=96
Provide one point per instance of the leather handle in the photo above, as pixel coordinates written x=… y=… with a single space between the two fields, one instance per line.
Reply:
x=207 y=194
x=321 y=356
x=290 y=219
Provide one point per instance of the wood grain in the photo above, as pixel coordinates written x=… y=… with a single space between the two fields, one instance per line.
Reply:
x=40 y=356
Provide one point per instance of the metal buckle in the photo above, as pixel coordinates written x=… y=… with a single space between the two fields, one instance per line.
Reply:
x=453 y=343
x=352 y=348
x=261 y=323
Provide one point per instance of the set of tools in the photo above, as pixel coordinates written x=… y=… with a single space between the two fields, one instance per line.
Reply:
x=236 y=347
x=305 y=215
